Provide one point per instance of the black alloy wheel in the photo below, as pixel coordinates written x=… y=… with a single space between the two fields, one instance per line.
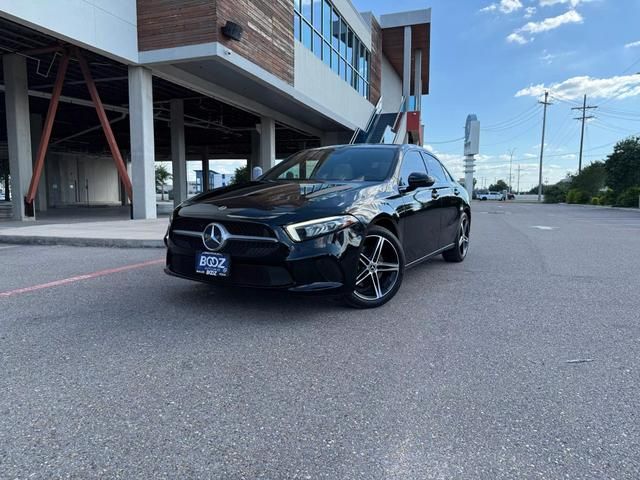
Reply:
x=380 y=270
x=459 y=252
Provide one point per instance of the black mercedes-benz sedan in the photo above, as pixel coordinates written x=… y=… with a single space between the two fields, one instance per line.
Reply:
x=346 y=220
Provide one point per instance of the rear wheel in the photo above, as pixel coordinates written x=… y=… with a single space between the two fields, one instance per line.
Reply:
x=380 y=270
x=459 y=251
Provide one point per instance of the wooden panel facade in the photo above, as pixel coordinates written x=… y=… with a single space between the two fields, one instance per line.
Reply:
x=267 y=39
x=175 y=23
x=393 y=48
x=375 y=72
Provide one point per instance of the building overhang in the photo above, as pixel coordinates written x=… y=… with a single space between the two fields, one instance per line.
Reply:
x=393 y=26
x=215 y=70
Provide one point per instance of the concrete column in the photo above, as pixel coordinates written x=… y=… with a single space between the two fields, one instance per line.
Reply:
x=205 y=169
x=254 y=159
x=417 y=82
x=267 y=143
x=16 y=99
x=178 y=152
x=142 y=143
x=406 y=65
x=40 y=202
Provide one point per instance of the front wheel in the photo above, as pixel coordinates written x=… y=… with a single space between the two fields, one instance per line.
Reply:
x=380 y=270
x=459 y=251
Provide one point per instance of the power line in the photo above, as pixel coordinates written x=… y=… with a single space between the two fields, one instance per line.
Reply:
x=446 y=141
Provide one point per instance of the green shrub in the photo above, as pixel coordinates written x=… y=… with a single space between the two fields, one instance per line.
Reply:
x=629 y=198
x=555 y=194
x=595 y=201
x=577 y=196
x=608 y=198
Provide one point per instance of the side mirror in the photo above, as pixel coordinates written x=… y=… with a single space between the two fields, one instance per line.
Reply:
x=420 y=180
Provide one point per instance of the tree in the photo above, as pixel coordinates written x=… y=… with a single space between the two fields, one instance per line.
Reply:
x=591 y=180
x=623 y=165
x=241 y=175
x=162 y=176
x=499 y=186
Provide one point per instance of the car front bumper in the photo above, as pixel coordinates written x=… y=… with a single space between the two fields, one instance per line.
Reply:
x=323 y=264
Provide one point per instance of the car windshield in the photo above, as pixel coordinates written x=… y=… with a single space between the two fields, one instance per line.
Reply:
x=342 y=164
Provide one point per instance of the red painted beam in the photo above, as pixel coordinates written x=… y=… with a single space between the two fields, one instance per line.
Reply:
x=106 y=126
x=46 y=134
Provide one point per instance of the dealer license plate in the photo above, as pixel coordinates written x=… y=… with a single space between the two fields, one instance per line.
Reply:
x=214 y=264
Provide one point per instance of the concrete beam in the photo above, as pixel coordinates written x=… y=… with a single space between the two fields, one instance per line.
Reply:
x=142 y=143
x=18 y=130
x=178 y=152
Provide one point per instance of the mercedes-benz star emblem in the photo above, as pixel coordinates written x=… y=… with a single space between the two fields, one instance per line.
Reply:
x=215 y=236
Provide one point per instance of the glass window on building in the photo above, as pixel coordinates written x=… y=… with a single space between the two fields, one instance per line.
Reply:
x=335 y=62
x=317 y=15
x=349 y=56
x=326 y=53
x=317 y=45
x=343 y=38
x=296 y=26
x=306 y=35
x=306 y=10
x=335 y=39
x=321 y=29
x=326 y=20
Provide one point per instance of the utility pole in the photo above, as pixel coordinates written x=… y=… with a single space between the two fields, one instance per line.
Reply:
x=518 y=179
x=511 y=152
x=544 y=127
x=584 y=119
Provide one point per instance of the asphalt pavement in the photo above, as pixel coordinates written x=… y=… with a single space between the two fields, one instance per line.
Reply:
x=522 y=362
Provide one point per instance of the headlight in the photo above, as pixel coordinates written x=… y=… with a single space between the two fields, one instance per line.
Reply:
x=300 y=232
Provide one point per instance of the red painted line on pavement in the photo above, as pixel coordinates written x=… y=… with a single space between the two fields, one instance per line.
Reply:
x=79 y=278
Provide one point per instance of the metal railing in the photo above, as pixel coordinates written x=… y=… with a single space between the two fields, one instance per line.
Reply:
x=374 y=114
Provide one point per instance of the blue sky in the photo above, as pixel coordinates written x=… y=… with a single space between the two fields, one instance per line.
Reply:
x=495 y=58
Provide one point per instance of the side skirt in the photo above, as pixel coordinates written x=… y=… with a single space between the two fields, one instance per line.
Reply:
x=427 y=257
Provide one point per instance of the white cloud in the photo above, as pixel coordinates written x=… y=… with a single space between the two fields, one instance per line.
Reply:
x=517 y=38
x=573 y=3
x=619 y=87
x=505 y=6
x=529 y=12
x=632 y=44
x=552 y=23
x=526 y=33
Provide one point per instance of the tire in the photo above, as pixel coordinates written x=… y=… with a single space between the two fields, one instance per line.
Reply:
x=381 y=255
x=459 y=252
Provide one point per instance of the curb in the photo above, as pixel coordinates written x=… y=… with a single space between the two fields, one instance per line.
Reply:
x=81 y=242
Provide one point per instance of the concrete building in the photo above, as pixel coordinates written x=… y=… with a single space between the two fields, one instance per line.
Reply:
x=94 y=92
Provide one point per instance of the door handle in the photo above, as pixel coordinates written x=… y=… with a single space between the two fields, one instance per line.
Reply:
x=456 y=191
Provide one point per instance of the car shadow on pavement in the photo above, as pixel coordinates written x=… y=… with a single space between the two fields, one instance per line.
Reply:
x=270 y=304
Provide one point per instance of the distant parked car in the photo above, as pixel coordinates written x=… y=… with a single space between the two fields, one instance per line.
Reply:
x=484 y=196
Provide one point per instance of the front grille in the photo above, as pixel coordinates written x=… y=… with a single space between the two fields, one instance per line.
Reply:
x=248 y=229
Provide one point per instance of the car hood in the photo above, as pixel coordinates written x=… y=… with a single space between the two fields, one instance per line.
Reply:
x=280 y=203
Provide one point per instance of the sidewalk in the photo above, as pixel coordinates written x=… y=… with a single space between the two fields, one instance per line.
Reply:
x=113 y=233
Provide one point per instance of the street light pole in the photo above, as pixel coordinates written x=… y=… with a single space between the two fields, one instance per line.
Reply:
x=511 y=152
